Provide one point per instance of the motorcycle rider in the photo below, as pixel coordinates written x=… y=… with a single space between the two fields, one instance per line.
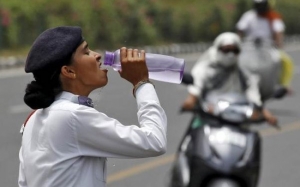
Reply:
x=264 y=24
x=217 y=71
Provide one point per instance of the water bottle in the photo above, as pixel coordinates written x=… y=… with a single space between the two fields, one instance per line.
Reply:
x=161 y=67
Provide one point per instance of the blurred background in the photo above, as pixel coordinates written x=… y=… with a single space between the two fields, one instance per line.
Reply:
x=114 y=23
x=111 y=24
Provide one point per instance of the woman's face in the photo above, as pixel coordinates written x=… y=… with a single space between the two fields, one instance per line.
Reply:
x=87 y=67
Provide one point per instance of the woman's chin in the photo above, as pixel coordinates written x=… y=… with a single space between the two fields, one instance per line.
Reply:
x=103 y=83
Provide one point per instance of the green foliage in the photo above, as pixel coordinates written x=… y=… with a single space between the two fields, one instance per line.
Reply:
x=109 y=24
x=291 y=13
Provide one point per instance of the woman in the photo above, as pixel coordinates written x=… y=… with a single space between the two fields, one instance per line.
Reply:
x=66 y=141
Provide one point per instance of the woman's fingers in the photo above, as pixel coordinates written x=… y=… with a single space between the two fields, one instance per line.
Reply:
x=142 y=55
x=132 y=55
x=129 y=55
x=133 y=64
x=135 y=54
x=123 y=55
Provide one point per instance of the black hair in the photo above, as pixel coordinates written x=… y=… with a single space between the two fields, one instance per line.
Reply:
x=41 y=92
x=261 y=7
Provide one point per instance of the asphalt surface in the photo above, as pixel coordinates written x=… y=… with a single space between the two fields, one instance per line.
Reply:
x=280 y=160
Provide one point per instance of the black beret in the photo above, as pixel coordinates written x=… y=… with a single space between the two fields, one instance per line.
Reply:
x=53 y=47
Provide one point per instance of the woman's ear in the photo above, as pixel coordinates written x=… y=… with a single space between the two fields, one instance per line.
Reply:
x=68 y=72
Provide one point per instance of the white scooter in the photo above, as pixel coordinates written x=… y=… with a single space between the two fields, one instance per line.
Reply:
x=262 y=59
x=218 y=149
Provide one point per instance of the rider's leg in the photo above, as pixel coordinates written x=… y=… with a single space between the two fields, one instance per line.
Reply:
x=287 y=69
x=285 y=77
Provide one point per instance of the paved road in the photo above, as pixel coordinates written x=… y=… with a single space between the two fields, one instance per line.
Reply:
x=280 y=163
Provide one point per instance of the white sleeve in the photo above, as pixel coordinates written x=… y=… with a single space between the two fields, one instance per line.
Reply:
x=243 y=23
x=102 y=136
x=22 y=179
x=278 y=25
x=199 y=74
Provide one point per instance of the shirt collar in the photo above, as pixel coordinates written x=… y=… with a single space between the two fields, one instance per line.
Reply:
x=82 y=100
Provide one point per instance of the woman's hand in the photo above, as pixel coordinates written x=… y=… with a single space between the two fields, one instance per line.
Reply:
x=133 y=63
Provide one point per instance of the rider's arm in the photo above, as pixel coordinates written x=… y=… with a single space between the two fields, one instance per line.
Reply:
x=278 y=37
x=198 y=72
x=278 y=28
x=190 y=102
x=243 y=23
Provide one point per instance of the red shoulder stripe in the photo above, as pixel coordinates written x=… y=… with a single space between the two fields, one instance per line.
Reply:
x=272 y=15
x=28 y=117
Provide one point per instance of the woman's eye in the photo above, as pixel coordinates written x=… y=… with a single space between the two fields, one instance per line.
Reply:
x=87 y=52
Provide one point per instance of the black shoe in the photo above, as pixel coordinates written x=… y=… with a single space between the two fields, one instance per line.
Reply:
x=280 y=92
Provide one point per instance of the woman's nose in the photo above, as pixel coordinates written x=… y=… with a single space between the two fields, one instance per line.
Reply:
x=97 y=56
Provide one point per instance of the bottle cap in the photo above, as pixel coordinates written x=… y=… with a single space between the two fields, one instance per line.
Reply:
x=109 y=58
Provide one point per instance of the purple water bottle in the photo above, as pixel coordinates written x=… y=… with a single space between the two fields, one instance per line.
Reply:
x=161 y=67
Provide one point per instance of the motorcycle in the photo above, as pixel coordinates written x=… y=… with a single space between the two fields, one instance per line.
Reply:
x=218 y=149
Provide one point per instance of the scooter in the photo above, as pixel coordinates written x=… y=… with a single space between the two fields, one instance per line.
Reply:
x=218 y=149
x=260 y=58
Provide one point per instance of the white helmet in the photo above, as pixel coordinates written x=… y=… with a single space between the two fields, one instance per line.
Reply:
x=227 y=38
x=227 y=58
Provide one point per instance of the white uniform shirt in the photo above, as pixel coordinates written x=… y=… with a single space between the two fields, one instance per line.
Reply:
x=255 y=26
x=66 y=144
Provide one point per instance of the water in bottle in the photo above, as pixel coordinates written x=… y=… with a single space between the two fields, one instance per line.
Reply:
x=161 y=67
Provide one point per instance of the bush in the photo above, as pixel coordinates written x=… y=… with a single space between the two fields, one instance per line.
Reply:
x=111 y=24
